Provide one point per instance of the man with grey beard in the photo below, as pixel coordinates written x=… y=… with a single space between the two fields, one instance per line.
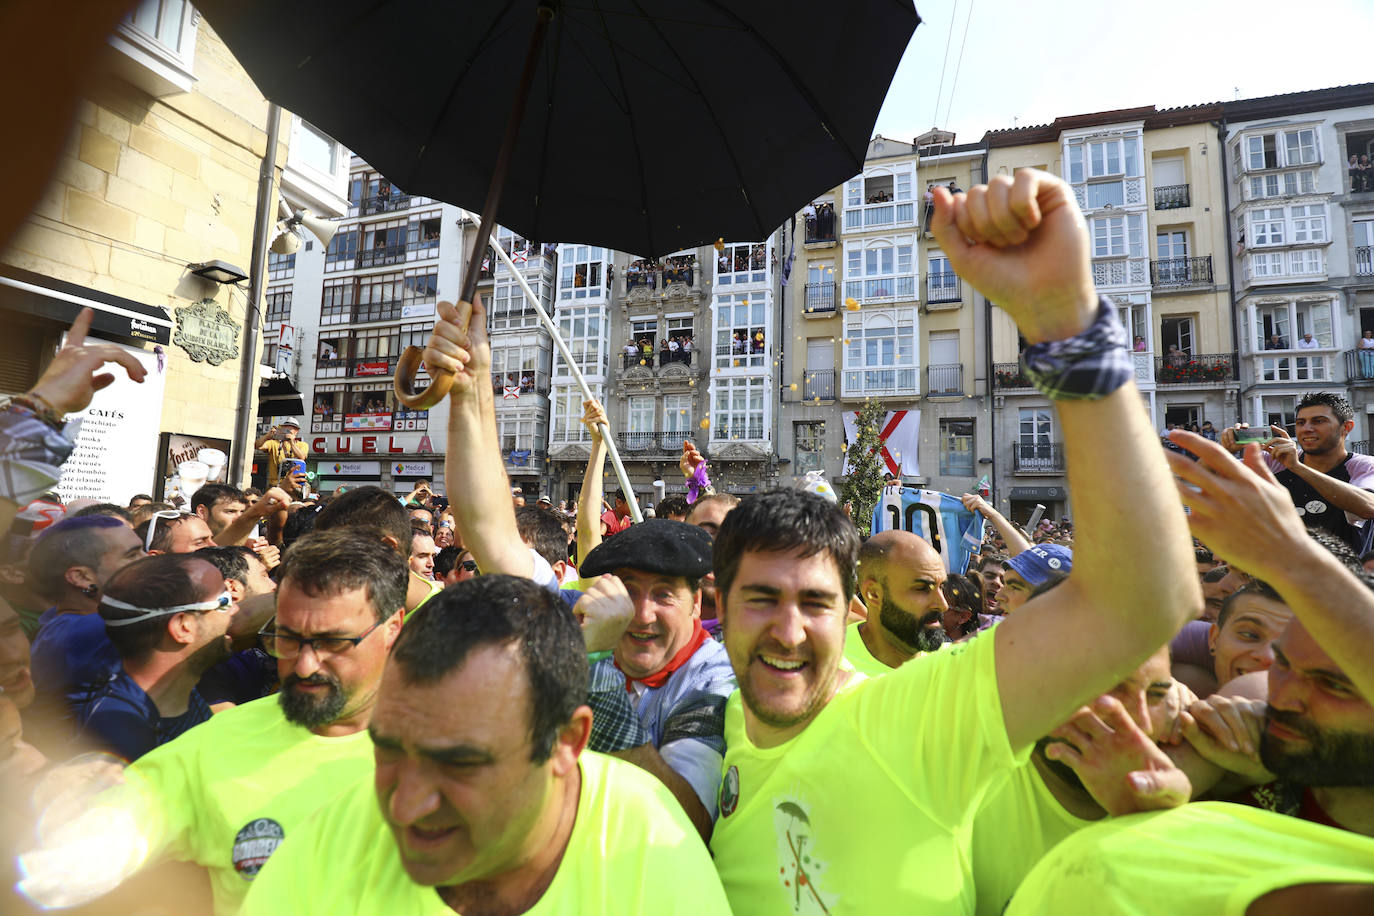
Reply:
x=225 y=794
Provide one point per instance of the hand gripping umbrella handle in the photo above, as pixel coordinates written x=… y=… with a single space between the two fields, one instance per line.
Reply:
x=440 y=381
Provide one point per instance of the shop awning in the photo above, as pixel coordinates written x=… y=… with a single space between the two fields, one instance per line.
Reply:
x=58 y=300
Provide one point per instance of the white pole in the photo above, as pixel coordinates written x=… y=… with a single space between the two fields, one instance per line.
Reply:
x=572 y=368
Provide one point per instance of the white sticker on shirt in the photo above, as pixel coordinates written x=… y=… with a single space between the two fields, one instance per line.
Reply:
x=1315 y=506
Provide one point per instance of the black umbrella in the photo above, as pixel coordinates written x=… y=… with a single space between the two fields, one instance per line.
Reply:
x=650 y=125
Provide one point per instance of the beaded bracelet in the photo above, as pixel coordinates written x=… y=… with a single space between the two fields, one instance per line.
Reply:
x=1084 y=367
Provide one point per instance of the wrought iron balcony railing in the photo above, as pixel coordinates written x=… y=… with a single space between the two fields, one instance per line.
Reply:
x=1176 y=272
x=1172 y=197
x=1198 y=369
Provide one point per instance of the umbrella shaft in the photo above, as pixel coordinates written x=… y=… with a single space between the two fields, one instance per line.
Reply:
x=563 y=351
x=507 y=152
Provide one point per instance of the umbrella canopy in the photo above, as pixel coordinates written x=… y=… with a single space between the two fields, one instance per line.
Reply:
x=652 y=125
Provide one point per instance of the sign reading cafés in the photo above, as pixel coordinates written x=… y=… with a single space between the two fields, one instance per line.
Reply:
x=206 y=332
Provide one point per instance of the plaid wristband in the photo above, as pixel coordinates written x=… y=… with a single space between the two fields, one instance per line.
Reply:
x=1086 y=366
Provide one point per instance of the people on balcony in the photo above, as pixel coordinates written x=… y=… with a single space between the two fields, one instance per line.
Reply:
x=1366 y=354
x=1175 y=358
x=1275 y=342
x=1139 y=344
x=1361 y=177
x=1308 y=343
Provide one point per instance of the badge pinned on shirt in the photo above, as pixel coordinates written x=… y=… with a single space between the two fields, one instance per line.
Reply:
x=729 y=792
x=254 y=844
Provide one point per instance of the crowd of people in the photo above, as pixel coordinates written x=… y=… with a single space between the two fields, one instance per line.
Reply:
x=466 y=703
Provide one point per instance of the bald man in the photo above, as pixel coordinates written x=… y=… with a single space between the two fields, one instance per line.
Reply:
x=899 y=583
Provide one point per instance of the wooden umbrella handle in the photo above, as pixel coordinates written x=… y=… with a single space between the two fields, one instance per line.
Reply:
x=440 y=381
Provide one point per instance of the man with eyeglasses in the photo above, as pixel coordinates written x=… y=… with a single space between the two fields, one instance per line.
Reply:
x=225 y=794
x=484 y=797
x=168 y=618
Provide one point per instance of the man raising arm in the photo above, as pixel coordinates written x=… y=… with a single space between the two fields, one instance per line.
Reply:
x=1024 y=245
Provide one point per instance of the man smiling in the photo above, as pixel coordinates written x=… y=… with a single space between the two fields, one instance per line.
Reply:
x=845 y=794
x=678 y=677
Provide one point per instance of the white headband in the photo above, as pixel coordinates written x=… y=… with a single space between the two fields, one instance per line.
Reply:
x=146 y=613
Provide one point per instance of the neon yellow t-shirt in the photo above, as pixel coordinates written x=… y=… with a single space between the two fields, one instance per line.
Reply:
x=857 y=654
x=227 y=792
x=1203 y=859
x=870 y=809
x=631 y=851
x=1018 y=822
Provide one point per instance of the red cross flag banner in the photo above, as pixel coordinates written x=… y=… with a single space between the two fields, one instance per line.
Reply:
x=512 y=393
x=901 y=434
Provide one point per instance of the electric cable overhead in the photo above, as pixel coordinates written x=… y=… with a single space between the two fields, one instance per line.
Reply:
x=941 y=89
x=949 y=107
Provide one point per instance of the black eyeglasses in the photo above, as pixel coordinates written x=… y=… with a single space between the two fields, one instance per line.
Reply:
x=470 y=565
x=282 y=645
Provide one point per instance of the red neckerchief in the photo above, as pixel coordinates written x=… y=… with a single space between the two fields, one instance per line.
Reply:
x=660 y=677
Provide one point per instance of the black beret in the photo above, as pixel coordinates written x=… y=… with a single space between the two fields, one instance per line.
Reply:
x=655 y=545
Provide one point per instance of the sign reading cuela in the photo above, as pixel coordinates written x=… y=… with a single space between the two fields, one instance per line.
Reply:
x=116 y=437
x=206 y=332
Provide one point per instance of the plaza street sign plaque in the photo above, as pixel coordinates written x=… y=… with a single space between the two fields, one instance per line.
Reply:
x=206 y=332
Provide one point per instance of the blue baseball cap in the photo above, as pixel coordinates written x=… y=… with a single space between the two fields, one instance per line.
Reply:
x=1038 y=563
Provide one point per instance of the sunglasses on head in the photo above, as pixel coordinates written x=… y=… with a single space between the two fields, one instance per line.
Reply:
x=152 y=524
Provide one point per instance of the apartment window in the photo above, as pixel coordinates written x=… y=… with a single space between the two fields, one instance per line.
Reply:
x=1035 y=428
x=420 y=293
x=880 y=351
x=681 y=327
x=1134 y=314
x=336 y=305
x=809 y=445
x=422 y=234
x=1266 y=265
x=1171 y=244
x=1178 y=332
x=581 y=272
x=1266 y=227
x=741 y=331
x=509 y=308
x=956 y=448
x=677 y=415
x=1304 y=263
x=280 y=266
x=1301 y=318
x=313 y=147
x=1106 y=194
x=1309 y=223
x=1280 y=410
x=342 y=251
x=1283 y=184
x=1119 y=236
x=1288 y=148
x=581 y=329
x=1105 y=158
x=941 y=275
x=379 y=297
x=742 y=262
x=567 y=412
x=278 y=306
x=738 y=409
x=383 y=243
x=639 y=415
x=880 y=269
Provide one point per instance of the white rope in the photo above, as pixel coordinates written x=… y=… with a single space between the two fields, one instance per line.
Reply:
x=563 y=350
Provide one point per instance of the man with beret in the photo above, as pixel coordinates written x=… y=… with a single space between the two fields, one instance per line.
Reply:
x=678 y=678
x=1030 y=569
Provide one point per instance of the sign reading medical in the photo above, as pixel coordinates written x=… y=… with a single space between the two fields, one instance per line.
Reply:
x=413 y=469
x=351 y=468
x=206 y=332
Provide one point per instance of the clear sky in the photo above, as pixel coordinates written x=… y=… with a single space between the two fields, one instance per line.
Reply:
x=1027 y=63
